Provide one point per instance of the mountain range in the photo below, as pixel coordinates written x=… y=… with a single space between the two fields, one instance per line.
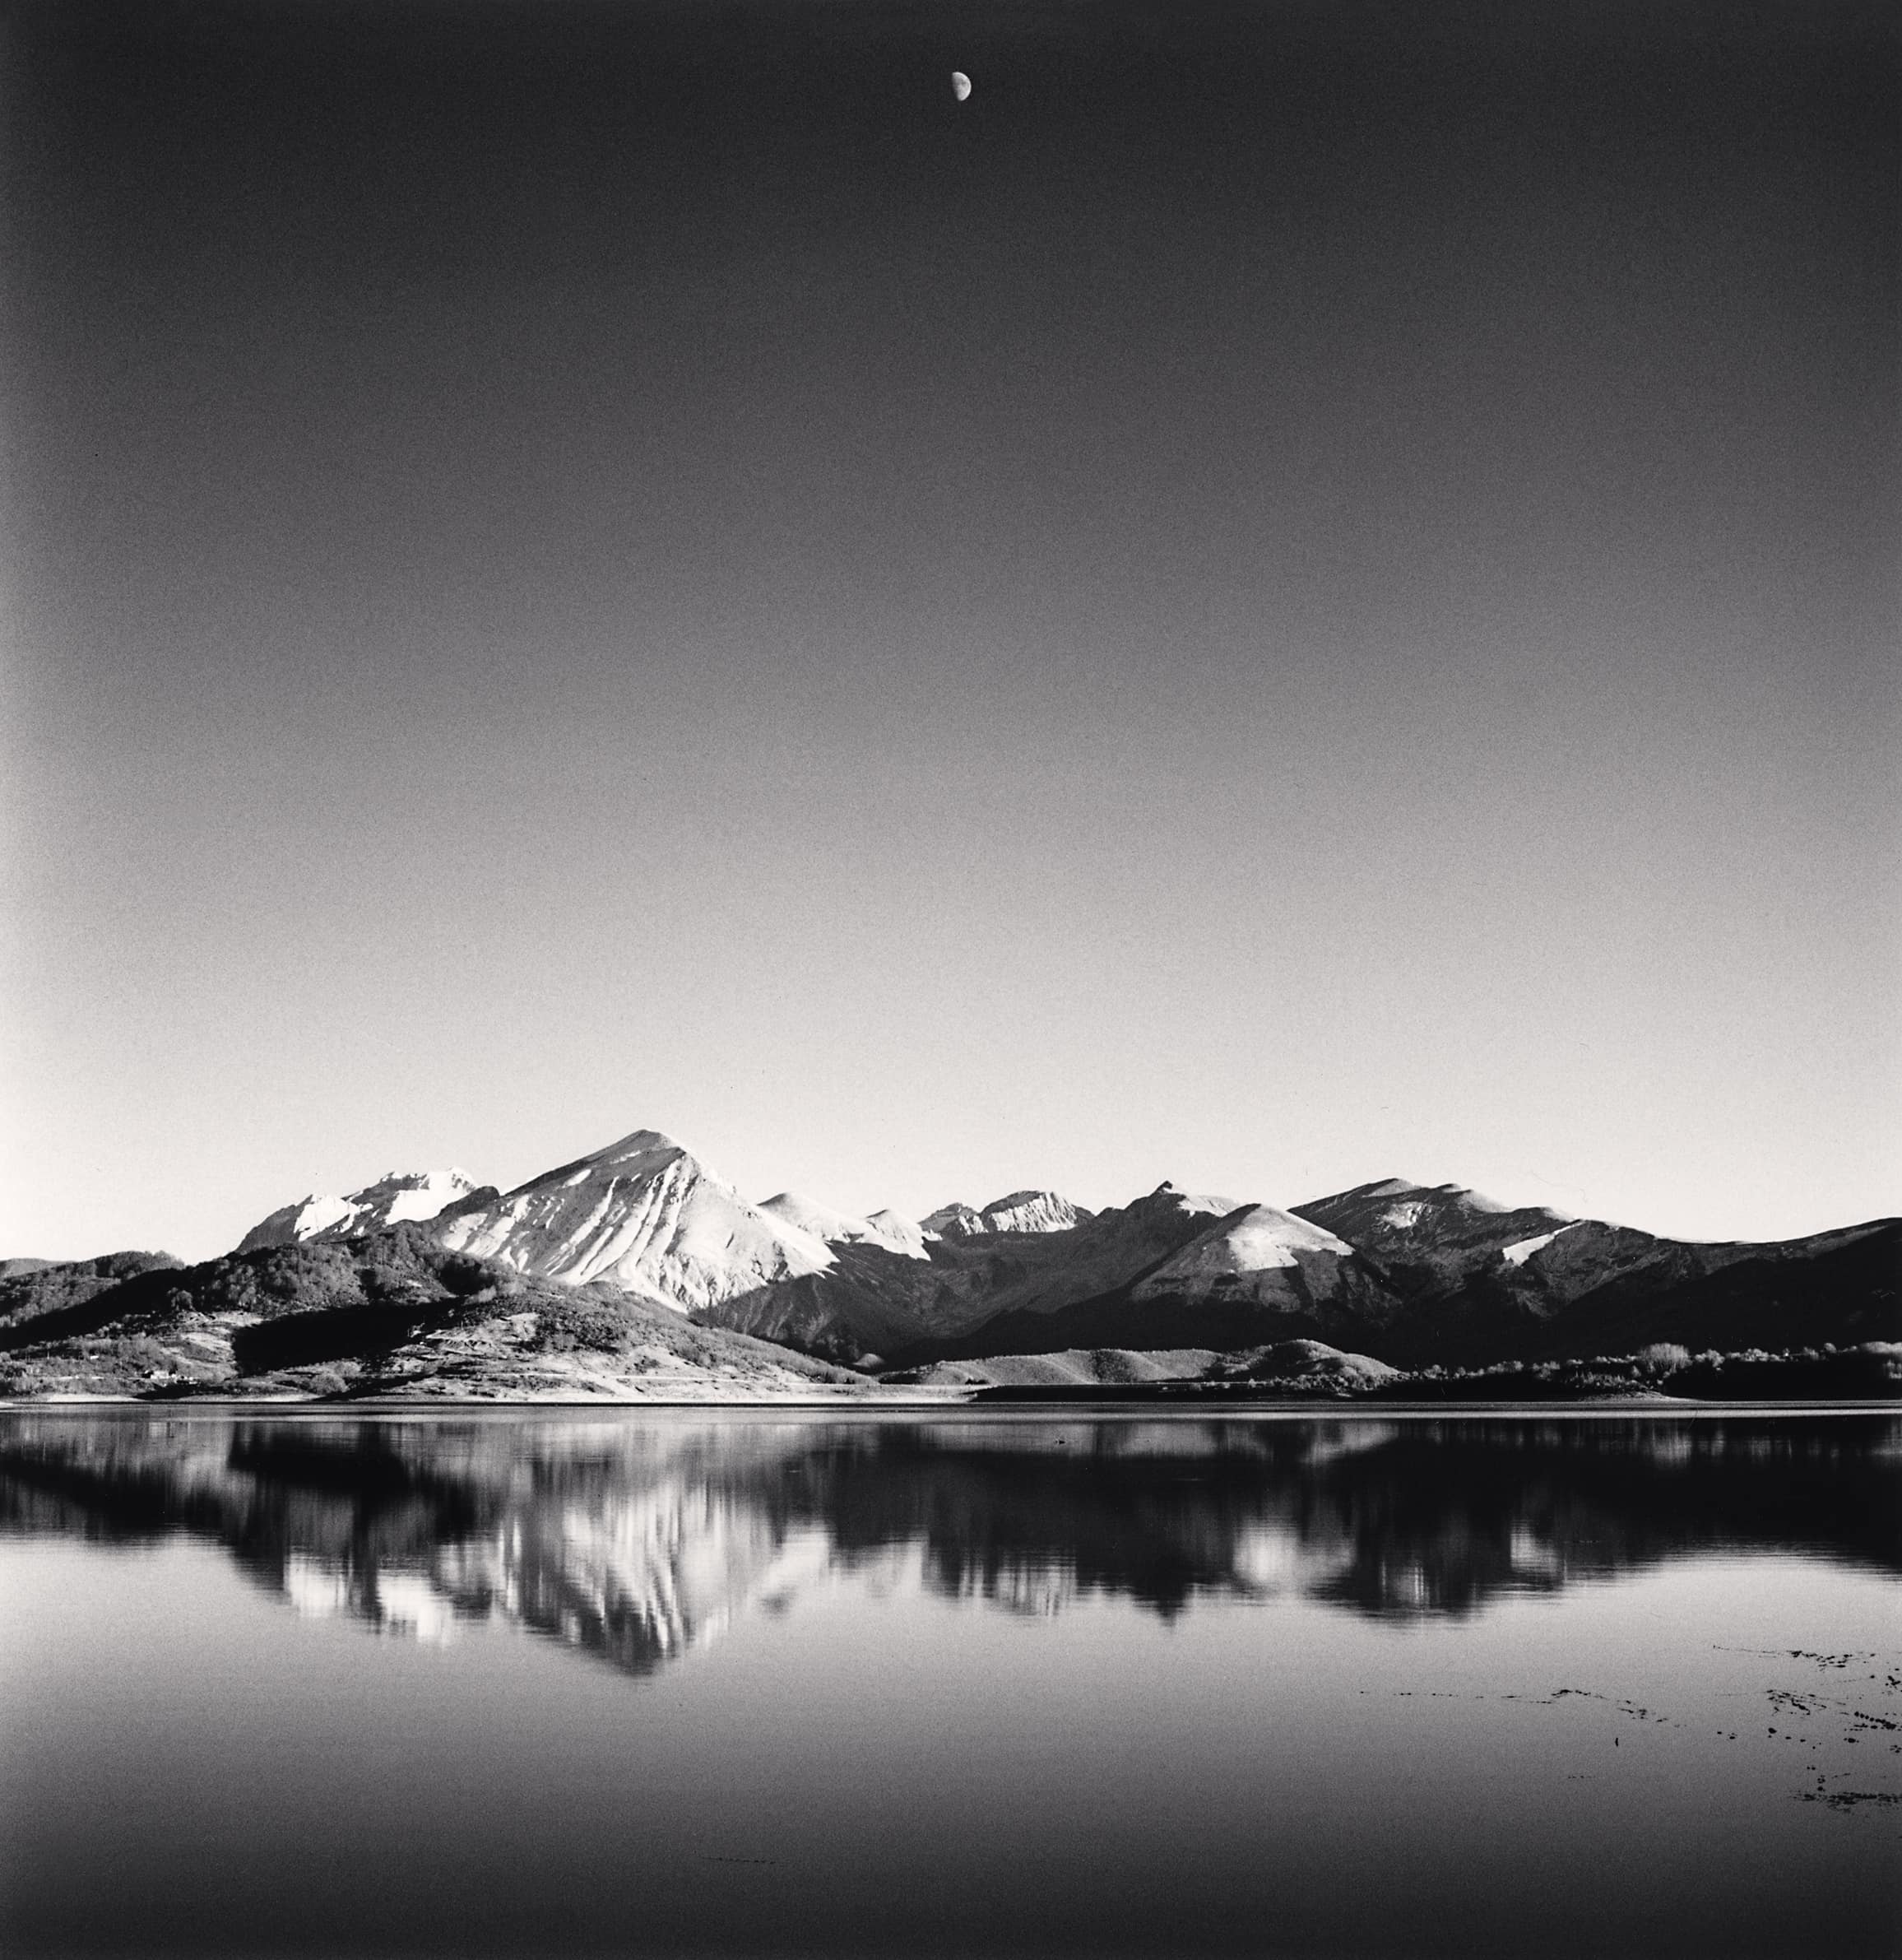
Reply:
x=448 y=1287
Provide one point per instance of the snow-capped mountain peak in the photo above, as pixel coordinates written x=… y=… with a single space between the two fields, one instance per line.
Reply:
x=395 y=1198
x=639 y=1151
x=1034 y=1211
x=642 y=1214
x=1018 y=1211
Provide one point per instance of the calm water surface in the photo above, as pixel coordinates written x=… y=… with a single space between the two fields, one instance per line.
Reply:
x=748 y=1684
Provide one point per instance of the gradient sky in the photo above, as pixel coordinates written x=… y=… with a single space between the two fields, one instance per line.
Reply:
x=1289 y=594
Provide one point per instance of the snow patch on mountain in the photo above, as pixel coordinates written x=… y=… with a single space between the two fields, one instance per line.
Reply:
x=1255 y=1254
x=642 y=1214
x=901 y=1234
x=888 y=1229
x=1449 y=1228
x=1522 y=1249
x=397 y=1197
x=1189 y=1202
x=1033 y=1211
x=1019 y=1211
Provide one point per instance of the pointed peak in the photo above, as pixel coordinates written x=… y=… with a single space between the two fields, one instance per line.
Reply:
x=640 y=1142
x=640 y=1154
x=956 y=1218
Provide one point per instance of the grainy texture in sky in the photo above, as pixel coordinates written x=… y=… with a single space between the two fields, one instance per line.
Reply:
x=1288 y=594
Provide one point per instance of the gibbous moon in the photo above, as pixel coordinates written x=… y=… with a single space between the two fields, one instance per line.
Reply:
x=960 y=85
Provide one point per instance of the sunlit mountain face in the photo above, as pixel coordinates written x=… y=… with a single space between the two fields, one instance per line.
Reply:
x=639 y=1540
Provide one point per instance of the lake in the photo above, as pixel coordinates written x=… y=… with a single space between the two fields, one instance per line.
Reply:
x=970 y=1682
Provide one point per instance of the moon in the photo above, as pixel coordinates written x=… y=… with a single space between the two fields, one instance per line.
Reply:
x=960 y=84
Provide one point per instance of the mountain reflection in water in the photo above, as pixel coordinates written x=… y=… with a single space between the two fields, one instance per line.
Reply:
x=638 y=1537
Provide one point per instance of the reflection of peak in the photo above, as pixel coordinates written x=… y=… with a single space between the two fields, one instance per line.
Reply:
x=390 y=1599
x=637 y=1543
x=639 y=1576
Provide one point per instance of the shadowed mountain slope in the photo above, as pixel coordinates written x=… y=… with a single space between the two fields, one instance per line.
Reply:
x=1479 y=1283
x=46 y=1286
x=394 y=1312
x=873 y=1300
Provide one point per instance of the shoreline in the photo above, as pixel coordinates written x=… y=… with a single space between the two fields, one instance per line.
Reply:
x=963 y=1401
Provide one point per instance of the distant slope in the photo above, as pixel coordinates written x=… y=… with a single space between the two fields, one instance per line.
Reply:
x=873 y=1301
x=1431 y=1233
x=888 y=1229
x=1843 y=1287
x=1020 y=1211
x=1479 y=1283
x=1253 y=1276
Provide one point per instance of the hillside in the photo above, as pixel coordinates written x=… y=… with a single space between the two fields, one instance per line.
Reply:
x=393 y=1313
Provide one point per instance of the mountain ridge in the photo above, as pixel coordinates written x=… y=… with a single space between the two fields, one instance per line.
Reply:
x=1407 y=1274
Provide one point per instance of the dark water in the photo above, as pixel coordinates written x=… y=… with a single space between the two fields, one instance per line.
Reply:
x=753 y=1684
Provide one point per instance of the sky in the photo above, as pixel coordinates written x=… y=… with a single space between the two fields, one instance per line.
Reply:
x=1287 y=595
